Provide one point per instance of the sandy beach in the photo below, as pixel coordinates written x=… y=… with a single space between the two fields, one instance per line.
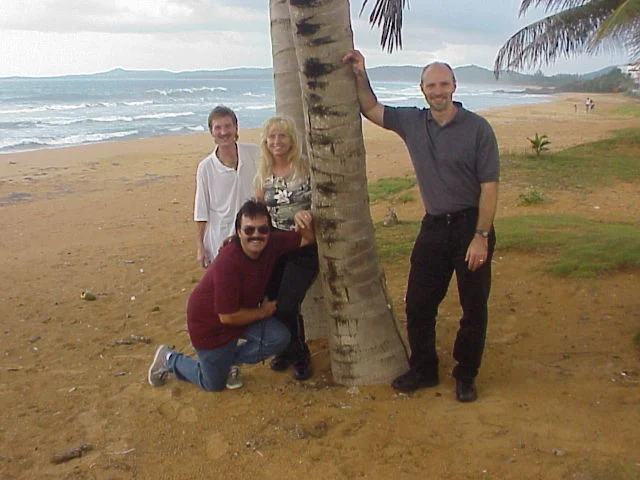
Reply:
x=559 y=389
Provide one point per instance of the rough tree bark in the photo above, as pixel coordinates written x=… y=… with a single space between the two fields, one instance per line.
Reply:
x=288 y=94
x=364 y=339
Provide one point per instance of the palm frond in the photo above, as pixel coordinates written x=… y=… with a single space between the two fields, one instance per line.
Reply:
x=630 y=38
x=562 y=34
x=622 y=22
x=634 y=46
x=551 y=5
x=388 y=14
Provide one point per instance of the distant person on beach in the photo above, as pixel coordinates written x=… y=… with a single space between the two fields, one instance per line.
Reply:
x=224 y=180
x=229 y=304
x=455 y=157
x=282 y=183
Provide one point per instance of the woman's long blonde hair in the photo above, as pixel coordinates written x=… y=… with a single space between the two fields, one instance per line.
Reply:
x=299 y=167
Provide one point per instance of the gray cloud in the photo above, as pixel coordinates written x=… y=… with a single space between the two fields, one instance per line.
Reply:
x=192 y=34
x=123 y=16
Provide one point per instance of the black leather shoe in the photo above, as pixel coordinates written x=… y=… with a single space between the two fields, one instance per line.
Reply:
x=412 y=381
x=302 y=370
x=466 y=391
x=279 y=363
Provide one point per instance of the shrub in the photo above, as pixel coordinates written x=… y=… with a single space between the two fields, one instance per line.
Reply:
x=539 y=143
x=532 y=197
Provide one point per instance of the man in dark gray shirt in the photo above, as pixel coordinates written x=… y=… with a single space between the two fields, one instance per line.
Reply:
x=455 y=156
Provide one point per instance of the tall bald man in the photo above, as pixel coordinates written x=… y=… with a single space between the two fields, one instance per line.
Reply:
x=455 y=157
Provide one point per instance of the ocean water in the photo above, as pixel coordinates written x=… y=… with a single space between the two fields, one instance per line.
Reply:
x=59 y=112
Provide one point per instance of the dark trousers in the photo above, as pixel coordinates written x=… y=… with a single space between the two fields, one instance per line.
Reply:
x=438 y=251
x=293 y=275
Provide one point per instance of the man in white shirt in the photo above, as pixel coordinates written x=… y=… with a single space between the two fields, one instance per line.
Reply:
x=224 y=181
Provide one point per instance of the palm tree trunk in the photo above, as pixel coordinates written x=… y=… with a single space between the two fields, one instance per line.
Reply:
x=286 y=79
x=286 y=82
x=365 y=343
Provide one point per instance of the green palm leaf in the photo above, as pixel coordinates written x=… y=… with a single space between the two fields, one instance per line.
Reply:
x=623 y=23
x=388 y=14
x=551 y=5
x=572 y=30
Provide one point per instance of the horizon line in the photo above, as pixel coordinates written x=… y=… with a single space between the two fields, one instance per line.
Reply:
x=161 y=70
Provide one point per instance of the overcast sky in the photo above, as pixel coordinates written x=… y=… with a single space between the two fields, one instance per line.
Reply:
x=57 y=37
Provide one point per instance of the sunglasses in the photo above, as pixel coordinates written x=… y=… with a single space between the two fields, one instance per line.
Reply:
x=250 y=230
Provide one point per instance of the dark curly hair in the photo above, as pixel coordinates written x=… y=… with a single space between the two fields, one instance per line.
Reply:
x=252 y=209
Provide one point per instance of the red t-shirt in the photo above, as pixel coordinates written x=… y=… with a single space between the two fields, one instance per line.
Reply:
x=232 y=281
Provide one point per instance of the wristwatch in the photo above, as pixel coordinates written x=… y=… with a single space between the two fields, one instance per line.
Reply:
x=482 y=233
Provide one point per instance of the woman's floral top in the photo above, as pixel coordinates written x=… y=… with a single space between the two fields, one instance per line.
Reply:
x=284 y=197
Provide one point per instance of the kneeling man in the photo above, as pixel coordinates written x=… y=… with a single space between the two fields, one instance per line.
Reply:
x=228 y=304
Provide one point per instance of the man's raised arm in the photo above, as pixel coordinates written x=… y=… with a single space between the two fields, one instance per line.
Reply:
x=369 y=105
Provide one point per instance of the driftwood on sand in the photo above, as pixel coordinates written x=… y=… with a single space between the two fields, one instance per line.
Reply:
x=67 y=455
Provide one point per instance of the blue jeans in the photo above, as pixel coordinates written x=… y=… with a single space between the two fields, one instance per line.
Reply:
x=264 y=339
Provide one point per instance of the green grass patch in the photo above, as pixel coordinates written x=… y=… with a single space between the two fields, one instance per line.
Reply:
x=389 y=188
x=531 y=197
x=632 y=110
x=396 y=240
x=405 y=197
x=573 y=246
x=592 y=164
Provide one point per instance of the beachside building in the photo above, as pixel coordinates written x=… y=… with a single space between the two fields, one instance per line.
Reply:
x=633 y=70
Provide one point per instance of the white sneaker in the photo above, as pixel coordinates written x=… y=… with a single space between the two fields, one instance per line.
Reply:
x=233 y=379
x=157 y=375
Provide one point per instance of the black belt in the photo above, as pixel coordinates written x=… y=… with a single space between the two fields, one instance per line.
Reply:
x=449 y=218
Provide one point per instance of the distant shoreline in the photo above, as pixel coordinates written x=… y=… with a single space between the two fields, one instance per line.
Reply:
x=559 y=109
x=128 y=162
x=386 y=73
x=195 y=134
x=48 y=114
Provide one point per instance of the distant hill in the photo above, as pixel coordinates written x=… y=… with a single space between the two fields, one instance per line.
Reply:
x=406 y=73
x=196 y=74
x=122 y=74
x=476 y=74
x=604 y=80
x=468 y=74
x=598 y=73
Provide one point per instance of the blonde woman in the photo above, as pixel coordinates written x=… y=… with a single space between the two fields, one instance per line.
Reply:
x=282 y=183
